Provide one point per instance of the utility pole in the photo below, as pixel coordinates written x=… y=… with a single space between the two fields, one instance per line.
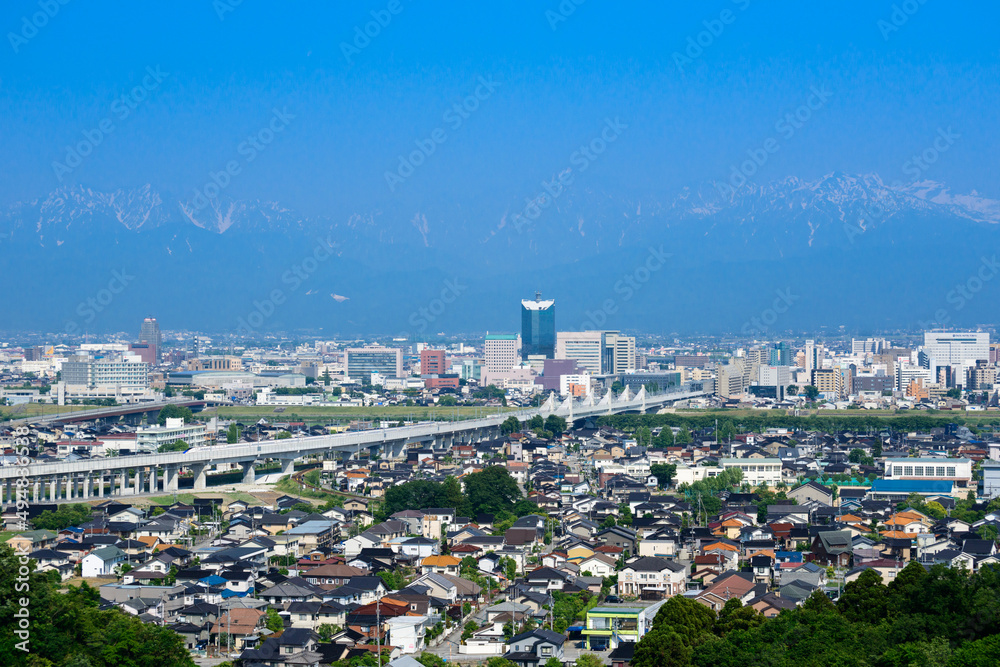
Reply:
x=378 y=630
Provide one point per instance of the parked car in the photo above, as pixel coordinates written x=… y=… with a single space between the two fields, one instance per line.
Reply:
x=613 y=599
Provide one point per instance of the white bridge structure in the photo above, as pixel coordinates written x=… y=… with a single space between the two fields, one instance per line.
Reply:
x=155 y=473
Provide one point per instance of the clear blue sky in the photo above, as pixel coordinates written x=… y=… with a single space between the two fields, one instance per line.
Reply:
x=892 y=90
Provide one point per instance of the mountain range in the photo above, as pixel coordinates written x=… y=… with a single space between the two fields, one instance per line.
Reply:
x=843 y=249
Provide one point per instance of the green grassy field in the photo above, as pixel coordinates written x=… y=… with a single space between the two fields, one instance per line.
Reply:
x=36 y=409
x=188 y=498
x=317 y=414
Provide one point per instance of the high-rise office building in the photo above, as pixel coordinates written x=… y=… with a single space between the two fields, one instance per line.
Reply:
x=957 y=350
x=597 y=352
x=781 y=354
x=584 y=347
x=150 y=334
x=868 y=346
x=432 y=362
x=501 y=352
x=361 y=362
x=622 y=350
x=814 y=356
x=538 y=327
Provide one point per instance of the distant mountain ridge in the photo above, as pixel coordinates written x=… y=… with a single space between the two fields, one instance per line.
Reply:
x=836 y=238
x=833 y=197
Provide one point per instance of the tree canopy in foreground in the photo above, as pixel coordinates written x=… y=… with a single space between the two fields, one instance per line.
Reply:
x=68 y=630
x=942 y=618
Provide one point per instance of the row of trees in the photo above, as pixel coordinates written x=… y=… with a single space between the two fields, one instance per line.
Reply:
x=551 y=427
x=942 y=618
x=760 y=420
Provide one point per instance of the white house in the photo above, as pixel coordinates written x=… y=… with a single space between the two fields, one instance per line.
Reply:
x=599 y=565
x=653 y=576
x=407 y=633
x=102 y=561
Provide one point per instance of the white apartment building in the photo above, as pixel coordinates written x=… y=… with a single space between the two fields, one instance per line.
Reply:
x=957 y=350
x=502 y=352
x=755 y=471
x=126 y=370
x=930 y=468
x=152 y=437
x=907 y=372
x=566 y=380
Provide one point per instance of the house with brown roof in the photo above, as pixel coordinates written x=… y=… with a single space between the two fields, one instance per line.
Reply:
x=739 y=585
x=240 y=624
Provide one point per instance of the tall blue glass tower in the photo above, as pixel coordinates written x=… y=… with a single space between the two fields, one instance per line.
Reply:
x=538 y=327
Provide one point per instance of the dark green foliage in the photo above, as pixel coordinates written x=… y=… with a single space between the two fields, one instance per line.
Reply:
x=568 y=607
x=764 y=419
x=555 y=425
x=524 y=507
x=64 y=517
x=736 y=616
x=177 y=446
x=491 y=491
x=421 y=494
x=68 y=629
x=664 y=472
x=173 y=411
x=942 y=618
x=510 y=425
x=680 y=625
x=859 y=456
x=393 y=579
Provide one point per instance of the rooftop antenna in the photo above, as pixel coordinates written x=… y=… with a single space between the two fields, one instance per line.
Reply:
x=538 y=296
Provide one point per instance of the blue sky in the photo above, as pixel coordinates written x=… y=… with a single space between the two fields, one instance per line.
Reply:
x=892 y=89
